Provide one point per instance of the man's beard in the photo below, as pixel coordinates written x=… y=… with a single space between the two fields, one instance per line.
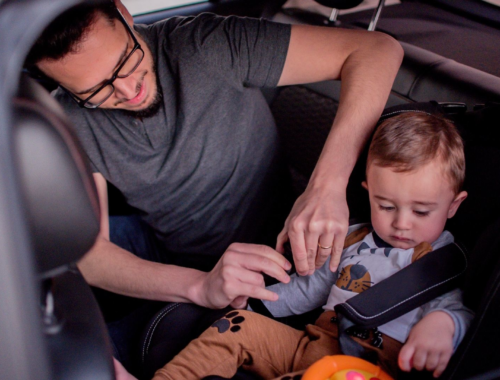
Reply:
x=150 y=110
x=155 y=106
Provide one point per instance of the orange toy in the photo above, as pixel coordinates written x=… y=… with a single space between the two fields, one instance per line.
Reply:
x=343 y=367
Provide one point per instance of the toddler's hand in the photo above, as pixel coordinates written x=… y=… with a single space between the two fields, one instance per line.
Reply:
x=429 y=345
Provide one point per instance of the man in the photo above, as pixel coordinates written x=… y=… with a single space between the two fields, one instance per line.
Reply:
x=172 y=115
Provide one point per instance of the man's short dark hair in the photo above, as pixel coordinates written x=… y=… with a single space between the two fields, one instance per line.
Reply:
x=67 y=31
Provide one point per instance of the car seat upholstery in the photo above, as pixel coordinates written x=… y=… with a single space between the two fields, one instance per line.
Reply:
x=62 y=212
x=303 y=124
x=304 y=118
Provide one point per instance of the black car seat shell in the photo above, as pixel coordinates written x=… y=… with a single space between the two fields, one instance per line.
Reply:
x=50 y=325
x=62 y=213
x=60 y=196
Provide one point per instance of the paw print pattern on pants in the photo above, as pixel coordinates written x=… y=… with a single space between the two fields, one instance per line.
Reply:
x=230 y=322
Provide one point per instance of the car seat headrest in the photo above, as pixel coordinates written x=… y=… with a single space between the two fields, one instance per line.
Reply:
x=61 y=201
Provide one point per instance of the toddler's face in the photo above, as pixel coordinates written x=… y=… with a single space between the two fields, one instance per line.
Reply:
x=412 y=207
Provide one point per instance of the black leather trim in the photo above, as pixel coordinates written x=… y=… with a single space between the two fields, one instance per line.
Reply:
x=81 y=348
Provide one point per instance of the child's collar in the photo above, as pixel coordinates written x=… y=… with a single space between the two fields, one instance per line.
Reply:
x=379 y=242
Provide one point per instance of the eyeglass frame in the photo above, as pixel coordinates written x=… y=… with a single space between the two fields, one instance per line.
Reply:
x=84 y=103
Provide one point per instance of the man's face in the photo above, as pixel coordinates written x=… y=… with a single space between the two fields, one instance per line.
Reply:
x=98 y=56
x=412 y=207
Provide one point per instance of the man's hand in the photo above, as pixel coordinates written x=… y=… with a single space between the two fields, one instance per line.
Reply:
x=120 y=372
x=429 y=345
x=317 y=227
x=239 y=275
x=366 y=63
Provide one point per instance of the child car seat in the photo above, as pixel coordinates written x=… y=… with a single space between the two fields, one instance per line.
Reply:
x=476 y=225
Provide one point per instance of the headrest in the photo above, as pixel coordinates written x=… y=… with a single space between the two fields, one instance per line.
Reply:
x=61 y=201
x=340 y=4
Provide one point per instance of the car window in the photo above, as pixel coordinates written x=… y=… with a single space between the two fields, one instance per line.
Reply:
x=138 y=7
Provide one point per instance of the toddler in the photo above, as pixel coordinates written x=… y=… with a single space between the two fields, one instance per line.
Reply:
x=414 y=175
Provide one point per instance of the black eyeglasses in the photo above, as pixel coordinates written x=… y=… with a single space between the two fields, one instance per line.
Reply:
x=126 y=68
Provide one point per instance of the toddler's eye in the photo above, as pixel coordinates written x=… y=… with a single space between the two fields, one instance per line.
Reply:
x=386 y=208
x=421 y=213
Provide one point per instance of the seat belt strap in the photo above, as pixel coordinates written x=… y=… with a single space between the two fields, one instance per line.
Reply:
x=436 y=273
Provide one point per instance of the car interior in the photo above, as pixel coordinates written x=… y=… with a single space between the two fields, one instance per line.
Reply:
x=50 y=324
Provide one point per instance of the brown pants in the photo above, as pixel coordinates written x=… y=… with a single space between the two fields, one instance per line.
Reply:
x=265 y=347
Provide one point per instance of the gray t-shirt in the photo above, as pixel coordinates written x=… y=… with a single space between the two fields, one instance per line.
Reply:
x=197 y=169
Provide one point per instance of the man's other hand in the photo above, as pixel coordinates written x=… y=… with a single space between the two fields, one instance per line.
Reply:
x=120 y=372
x=238 y=275
x=316 y=227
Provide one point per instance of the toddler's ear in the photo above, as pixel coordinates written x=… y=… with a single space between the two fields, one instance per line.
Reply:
x=364 y=184
x=459 y=198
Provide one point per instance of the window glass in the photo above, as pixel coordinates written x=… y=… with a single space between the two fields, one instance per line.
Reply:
x=137 y=7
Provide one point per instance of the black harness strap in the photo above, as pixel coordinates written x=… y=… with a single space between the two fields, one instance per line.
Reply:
x=436 y=273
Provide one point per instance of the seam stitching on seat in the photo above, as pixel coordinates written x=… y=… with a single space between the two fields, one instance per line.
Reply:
x=152 y=328
x=386 y=115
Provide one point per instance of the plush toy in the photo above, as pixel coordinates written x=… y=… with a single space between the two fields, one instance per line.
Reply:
x=343 y=367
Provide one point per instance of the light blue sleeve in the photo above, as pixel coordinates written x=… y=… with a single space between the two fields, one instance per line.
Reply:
x=302 y=293
x=451 y=303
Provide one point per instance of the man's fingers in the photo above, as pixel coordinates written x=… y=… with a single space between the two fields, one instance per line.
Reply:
x=253 y=291
x=312 y=250
x=325 y=246
x=246 y=276
x=264 y=265
x=299 y=251
x=120 y=371
x=240 y=302
x=281 y=240
x=338 y=246
x=250 y=264
x=259 y=250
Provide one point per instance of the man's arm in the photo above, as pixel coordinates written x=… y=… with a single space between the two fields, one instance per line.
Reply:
x=366 y=63
x=236 y=276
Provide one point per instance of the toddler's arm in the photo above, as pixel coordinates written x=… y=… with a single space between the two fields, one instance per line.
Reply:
x=429 y=345
x=434 y=338
x=302 y=293
x=306 y=293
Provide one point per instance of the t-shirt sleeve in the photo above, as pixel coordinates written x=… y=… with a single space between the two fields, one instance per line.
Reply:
x=247 y=51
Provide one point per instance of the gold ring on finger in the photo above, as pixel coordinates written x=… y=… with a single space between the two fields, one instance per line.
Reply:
x=319 y=245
